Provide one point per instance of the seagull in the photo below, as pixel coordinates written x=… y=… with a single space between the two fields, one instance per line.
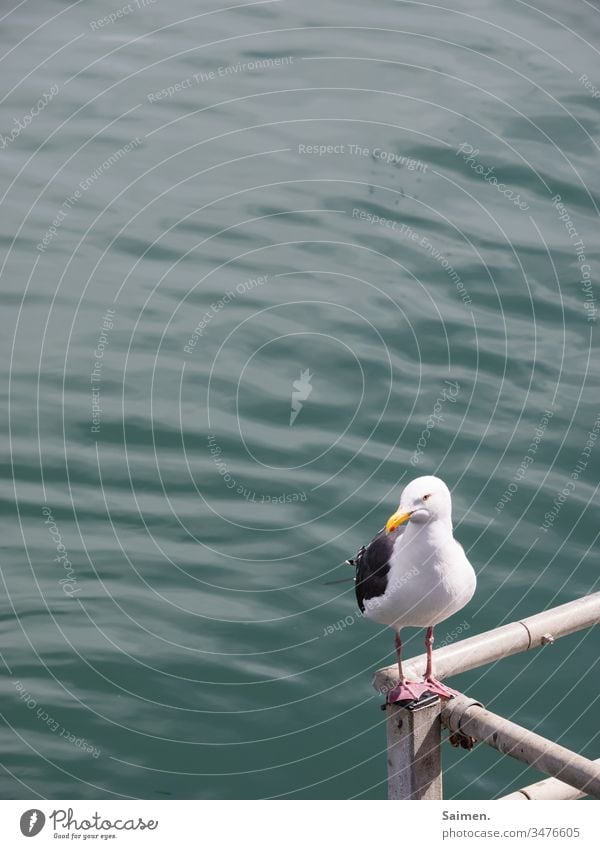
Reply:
x=415 y=574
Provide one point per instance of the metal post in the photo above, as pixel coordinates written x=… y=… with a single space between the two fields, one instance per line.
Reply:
x=461 y=716
x=414 y=736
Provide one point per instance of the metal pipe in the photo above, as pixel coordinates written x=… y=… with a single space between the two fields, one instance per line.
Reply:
x=549 y=788
x=463 y=717
x=540 y=629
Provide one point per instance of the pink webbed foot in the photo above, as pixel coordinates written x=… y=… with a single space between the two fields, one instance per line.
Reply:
x=407 y=691
x=435 y=686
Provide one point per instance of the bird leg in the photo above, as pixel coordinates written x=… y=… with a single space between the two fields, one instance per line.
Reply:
x=433 y=684
x=429 y=649
x=404 y=690
x=398 y=644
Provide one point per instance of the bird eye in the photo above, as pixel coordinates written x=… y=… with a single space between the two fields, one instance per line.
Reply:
x=425 y=497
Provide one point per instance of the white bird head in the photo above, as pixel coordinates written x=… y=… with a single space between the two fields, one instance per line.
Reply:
x=424 y=499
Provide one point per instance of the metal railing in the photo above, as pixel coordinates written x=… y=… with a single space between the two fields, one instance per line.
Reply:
x=414 y=732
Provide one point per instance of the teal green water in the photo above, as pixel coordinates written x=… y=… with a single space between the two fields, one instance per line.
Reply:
x=201 y=208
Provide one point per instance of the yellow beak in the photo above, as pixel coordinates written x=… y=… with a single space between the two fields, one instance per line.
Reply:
x=396 y=520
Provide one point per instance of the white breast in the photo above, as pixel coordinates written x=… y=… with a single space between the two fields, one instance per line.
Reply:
x=430 y=578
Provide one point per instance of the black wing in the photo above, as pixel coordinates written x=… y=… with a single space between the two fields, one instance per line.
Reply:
x=373 y=564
